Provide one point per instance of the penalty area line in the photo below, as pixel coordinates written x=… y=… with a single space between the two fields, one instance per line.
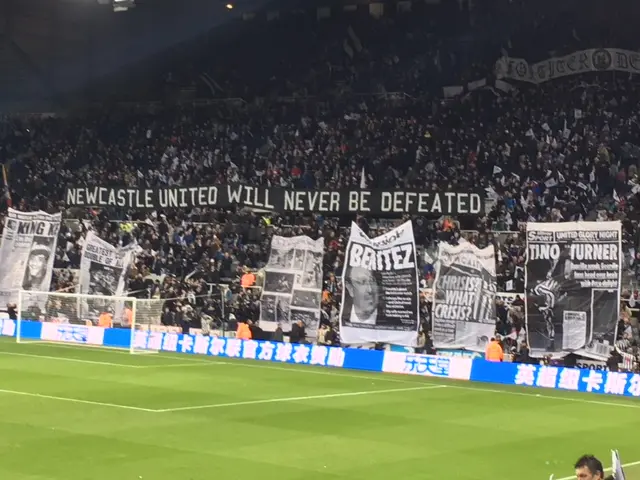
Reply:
x=76 y=360
x=76 y=400
x=190 y=364
x=298 y=399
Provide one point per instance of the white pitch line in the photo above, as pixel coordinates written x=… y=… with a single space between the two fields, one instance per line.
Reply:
x=76 y=400
x=74 y=345
x=326 y=371
x=630 y=464
x=192 y=364
x=417 y=380
x=77 y=360
x=296 y=399
x=384 y=377
x=153 y=354
x=549 y=397
x=335 y=372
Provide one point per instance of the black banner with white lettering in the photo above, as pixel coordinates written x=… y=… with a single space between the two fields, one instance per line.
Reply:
x=381 y=291
x=572 y=280
x=281 y=199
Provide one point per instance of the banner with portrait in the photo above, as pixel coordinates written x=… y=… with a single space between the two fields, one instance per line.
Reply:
x=572 y=281
x=380 y=295
x=464 y=308
x=292 y=288
x=27 y=253
x=104 y=271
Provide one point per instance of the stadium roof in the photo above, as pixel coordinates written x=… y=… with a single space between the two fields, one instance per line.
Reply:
x=49 y=47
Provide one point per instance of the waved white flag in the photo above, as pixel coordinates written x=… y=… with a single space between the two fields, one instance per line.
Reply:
x=616 y=466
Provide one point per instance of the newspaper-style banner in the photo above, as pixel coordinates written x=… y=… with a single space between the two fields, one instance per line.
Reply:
x=572 y=282
x=380 y=298
x=27 y=253
x=104 y=271
x=292 y=288
x=281 y=199
x=464 y=313
x=583 y=61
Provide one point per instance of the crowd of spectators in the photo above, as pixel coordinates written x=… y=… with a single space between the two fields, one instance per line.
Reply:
x=562 y=150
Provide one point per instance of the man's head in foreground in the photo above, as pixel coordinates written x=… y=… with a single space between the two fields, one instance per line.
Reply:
x=589 y=467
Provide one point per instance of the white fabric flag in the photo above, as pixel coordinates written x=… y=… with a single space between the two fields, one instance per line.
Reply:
x=363 y=179
x=616 y=466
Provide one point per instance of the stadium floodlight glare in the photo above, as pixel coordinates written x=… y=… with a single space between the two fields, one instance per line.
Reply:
x=83 y=319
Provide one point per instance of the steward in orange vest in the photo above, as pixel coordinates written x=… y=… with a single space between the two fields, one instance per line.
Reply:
x=494 y=351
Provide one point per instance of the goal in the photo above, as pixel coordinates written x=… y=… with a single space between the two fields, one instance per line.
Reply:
x=92 y=320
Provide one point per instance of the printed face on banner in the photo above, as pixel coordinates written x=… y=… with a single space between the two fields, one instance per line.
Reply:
x=28 y=245
x=363 y=289
x=380 y=294
x=37 y=263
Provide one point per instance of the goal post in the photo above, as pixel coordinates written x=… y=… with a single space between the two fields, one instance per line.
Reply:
x=79 y=319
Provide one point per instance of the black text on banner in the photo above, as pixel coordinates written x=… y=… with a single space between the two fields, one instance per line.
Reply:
x=464 y=301
x=572 y=281
x=380 y=295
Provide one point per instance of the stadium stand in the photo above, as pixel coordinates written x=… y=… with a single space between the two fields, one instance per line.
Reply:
x=360 y=99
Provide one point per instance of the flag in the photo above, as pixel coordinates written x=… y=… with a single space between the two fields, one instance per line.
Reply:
x=347 y=48
x=363 y=179
x=566 y=133
x=357 y=44
x=616 y=466
x=616 y=197
x=210 y=82
x=7 y=192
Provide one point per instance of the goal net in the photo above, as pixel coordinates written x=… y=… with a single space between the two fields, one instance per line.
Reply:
x=94 y=320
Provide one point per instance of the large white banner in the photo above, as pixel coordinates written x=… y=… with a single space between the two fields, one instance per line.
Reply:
x=572 y=282
x=292 y=289
x=103 y=271
x=592 y=60
x=27 y=253
x=464 y=308
x=380 y=298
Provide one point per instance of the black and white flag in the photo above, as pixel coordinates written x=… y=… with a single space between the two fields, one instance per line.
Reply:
x=464 y=313
x=380 y=298
x=27 y=253
x=292 y=288
x=104 y=271
x=572 y=281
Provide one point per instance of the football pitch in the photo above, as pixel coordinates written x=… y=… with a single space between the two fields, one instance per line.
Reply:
x=85 y=413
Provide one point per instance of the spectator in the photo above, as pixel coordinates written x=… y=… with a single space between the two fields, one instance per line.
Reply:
x=494 y=351
x=298 y=333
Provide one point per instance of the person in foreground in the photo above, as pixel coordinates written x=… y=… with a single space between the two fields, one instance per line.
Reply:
x=588 y=467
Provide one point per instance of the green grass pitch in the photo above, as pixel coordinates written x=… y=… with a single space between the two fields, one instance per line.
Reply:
x=77 y=413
